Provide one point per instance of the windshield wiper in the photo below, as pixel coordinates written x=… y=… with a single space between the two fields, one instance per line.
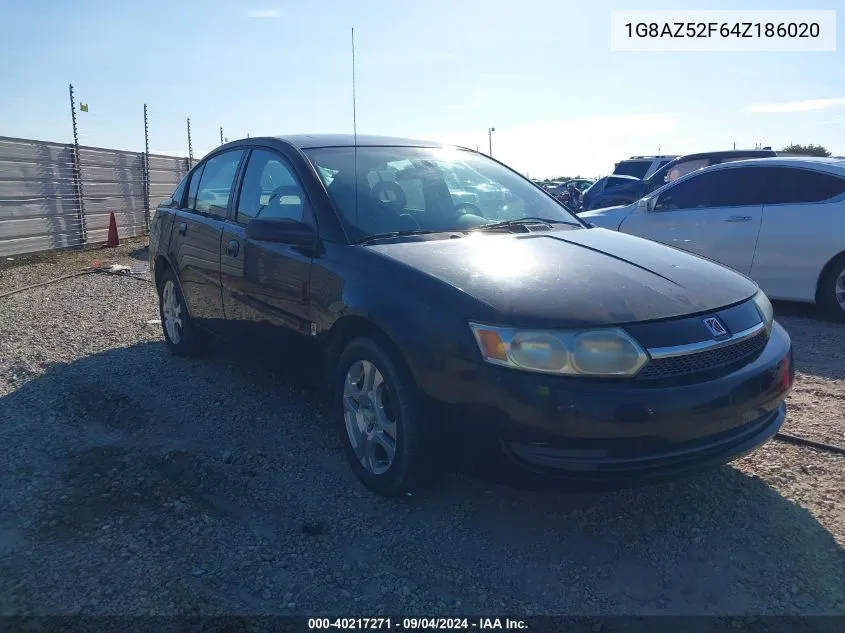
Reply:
x=524 y=221
x=388 y=235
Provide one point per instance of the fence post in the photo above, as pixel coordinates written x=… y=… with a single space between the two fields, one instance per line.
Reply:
x=190 y=149
x=77 y=173
x=146 y=171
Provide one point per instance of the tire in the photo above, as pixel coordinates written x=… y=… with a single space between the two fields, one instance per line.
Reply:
x=183 y=339
x=395 y=401
x=832 y=290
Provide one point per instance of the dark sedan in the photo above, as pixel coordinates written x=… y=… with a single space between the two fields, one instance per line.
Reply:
x=583 y=354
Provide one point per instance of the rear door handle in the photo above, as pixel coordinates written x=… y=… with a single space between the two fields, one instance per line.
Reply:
x=739 y=218
x=232 y=248
x=183 y=228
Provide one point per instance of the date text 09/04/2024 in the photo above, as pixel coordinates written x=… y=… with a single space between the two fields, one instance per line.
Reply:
x=716 y=29
x=416 y=624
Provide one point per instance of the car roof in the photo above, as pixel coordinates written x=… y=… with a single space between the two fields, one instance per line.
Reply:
x=832 y=165
x=311 y=141
x=728 y=153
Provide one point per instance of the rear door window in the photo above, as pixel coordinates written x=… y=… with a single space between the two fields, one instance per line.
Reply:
x=177 y=198
x=216 y=183
x=793 y=185
x=194 y=187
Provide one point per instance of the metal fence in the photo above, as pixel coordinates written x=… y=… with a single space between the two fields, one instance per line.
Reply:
x=57 y=195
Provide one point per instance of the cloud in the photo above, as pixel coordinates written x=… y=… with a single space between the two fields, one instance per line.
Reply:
x=264 y=14
x=797 y=106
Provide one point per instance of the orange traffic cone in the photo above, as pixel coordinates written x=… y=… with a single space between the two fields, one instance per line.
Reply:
x=113 y=239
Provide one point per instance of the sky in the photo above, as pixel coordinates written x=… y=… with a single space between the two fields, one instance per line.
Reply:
x=540 y=72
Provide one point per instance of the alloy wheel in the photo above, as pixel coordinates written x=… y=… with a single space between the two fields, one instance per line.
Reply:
x=172 y=312
x=370 y=418
x=839 y=289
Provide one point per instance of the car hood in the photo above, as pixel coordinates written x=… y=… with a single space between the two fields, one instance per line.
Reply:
x=607 y=217
x=573 y=277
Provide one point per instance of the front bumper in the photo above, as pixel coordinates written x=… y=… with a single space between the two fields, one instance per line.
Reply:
x=623 y=432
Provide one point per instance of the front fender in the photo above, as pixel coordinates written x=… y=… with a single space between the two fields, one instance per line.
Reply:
x=431 y=340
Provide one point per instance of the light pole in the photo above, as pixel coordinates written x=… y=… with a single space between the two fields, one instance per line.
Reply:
x=490 y=131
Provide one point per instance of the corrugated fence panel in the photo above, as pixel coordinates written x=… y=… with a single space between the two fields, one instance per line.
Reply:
x=39 y=208
x=165 y=174
x=113 y=179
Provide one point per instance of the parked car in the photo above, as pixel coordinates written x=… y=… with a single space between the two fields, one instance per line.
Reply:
x=635 y=189
x=779 y=220
x=604 y=188
x=641 y=166
x=580 y=184
x=430 y=324
x=473 y=190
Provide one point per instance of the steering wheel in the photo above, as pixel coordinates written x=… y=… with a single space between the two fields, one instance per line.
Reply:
x=414 y=221
x=390 y=197
x=464 y=208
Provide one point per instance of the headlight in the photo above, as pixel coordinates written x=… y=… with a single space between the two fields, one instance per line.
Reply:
x=599 y=352
x=766 y=311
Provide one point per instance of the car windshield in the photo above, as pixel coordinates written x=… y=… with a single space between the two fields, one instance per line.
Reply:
x=418 y=189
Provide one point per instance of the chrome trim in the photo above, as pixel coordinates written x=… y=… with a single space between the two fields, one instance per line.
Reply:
x=704 y=346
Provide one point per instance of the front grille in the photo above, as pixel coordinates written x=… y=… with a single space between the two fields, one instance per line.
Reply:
x=708 y=360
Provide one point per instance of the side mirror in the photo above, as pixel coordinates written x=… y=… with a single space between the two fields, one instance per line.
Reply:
x=282 y=231
x=646 y=205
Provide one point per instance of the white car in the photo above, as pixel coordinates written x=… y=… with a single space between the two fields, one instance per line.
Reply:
x=780 y=221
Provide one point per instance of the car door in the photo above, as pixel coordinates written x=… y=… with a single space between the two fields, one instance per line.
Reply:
x=265 y=285
x=196 y=234
x=715 y=213
x=803 y=228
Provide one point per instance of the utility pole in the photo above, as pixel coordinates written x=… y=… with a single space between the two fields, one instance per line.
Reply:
x=490 y=140
x=221 y=135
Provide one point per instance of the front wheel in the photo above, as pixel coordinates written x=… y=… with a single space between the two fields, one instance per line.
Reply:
x=388 y=443
x=833 y=290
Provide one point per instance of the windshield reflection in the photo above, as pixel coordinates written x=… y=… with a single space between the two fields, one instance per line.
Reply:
x=407 y=189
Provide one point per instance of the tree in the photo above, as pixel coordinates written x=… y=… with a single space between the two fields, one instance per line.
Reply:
x=806 y=150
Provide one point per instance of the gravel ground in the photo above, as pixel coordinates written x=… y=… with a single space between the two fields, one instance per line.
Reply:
x=133 y=482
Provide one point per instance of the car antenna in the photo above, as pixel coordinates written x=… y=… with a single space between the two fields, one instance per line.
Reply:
x=354 y=130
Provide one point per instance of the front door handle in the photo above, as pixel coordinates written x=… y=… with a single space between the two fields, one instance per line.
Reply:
x=739 y=218
x=183 y=228
x=232 y=248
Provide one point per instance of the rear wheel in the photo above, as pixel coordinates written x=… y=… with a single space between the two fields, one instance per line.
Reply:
x=388 y=444
x=180 y=333
x=833 y=290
